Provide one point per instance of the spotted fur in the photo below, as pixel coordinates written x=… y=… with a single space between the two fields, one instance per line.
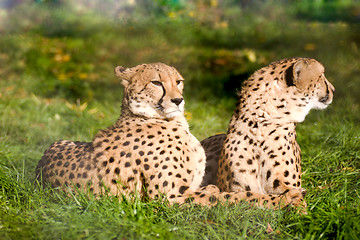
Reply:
x=259 y=152
x=148 y=152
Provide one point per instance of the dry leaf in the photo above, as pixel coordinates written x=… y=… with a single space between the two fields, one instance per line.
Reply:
x=269 y=229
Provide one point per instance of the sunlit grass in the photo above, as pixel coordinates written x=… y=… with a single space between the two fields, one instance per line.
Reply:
x=330 y=144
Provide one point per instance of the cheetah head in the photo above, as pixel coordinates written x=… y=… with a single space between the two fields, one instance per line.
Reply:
x=307 y=87
x=306 y=77
x=152 y=90
x=310 y=80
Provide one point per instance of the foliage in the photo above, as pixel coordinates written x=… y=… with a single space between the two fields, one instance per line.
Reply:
x=57 y=82
x=328 y=11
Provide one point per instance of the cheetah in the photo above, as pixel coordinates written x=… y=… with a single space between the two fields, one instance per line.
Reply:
x=148 y=153
x=260 y=153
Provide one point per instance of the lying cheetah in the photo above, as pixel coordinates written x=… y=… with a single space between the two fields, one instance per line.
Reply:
x=148 y=152
x=259 y=152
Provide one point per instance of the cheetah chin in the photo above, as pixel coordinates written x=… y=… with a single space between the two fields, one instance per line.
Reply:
x=178 y=112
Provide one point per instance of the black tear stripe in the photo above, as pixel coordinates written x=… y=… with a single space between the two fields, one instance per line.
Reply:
x=162 y=97
x=327 y=89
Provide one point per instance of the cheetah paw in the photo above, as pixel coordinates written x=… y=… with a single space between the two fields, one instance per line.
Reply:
x=295 y=197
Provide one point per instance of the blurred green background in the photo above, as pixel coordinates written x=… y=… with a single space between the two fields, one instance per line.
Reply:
x=57 y=60
x=70 y=48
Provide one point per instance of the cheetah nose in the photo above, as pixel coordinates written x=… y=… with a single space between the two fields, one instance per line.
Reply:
x=177 y=101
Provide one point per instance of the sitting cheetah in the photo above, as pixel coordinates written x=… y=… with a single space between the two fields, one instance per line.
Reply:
x=149 y=150
x=259 y=152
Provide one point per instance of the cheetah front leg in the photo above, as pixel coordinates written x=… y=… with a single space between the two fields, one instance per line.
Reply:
x=178 y=190
x=239 y=167
x=210 y=195
x=281 y=169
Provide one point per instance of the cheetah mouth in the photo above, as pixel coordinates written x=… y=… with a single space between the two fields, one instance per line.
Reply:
x=168 y=113
x=159 y=107
x=324 y=100
x=173 y=114
x=327 y=99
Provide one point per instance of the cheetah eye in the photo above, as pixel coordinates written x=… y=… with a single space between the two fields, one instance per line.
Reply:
x=156 y=83
x=178 y=82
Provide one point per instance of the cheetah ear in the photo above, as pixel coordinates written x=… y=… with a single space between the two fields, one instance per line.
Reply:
x=124 y=74
x=300 y=73
x=298 y=66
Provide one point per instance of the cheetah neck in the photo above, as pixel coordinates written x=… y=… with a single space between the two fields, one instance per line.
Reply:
x=130 y=119
x=261 y=129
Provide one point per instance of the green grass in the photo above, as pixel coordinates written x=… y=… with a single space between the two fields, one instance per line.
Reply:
x=66 y=89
